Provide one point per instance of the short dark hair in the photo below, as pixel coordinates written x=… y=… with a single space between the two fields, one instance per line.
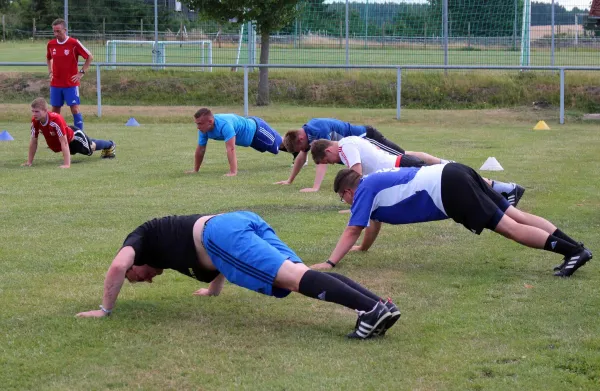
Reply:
x=317 y=149
x=59 y=21
x=346 y=179
x=290 y=139
x=202 y=112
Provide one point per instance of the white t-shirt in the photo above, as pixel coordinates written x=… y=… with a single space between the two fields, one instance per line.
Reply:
x=354 y=150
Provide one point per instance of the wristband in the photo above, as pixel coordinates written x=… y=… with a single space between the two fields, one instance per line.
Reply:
x=82 y=71
x=331 y=263
x=107 y=312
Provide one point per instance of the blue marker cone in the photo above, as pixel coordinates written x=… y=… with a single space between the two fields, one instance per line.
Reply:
x=132 y=122
x=5 y=136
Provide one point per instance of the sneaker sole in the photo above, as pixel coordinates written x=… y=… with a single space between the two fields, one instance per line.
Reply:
x=390 y=322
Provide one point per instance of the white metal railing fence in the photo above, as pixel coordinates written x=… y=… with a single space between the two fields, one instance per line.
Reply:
x=399 y=68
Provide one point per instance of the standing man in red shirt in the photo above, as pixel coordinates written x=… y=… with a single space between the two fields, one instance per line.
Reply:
x=60 y=137
x=62 y=54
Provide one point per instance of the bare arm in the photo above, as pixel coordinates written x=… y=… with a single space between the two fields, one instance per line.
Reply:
x=49 y=62
x=358 y=168
x=230 y=148
x=113 y=282
x=64 y=146
x=319 y=175
x=347 y=240
x=214 y=288
x=298 y=164
x=33 y=144
x=198 y=158
x=370 y=235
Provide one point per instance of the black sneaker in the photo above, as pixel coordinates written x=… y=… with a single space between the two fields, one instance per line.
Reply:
x=565 y=259
x=574 y=262
x=395 y=315
x=515 y=195
x=109 y=153
x=371 y=323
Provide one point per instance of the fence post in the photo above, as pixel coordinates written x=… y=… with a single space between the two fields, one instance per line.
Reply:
x=66 y=12
x=246 y=90
x=552 y=27
x=366 y=23
x=3 y=28
x=445 y=32
x=347 y=36
x=33 y=30
x=98 y=91
x=562 y=96
x=398 y=91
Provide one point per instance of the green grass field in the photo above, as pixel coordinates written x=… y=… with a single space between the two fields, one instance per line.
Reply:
x=327 y=54
x=479 y=313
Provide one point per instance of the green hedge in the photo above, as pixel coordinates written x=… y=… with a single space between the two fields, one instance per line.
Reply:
x=369 y=89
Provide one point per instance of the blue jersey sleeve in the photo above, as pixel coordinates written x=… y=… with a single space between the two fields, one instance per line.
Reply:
x=362 y=207
x=202 y=139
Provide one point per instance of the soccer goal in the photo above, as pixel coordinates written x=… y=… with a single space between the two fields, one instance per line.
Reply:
x=199 y=52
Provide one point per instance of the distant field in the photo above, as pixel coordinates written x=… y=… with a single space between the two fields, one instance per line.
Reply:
x=327 y=54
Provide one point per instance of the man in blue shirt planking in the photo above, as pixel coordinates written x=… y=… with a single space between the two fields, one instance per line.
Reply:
x=234 y=130
x=415 y=195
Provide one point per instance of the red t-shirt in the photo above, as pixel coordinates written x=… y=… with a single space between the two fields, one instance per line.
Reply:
x=64 y=56
x=54 y=128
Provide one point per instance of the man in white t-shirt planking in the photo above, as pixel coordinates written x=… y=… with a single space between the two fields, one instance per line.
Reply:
x=365 y=158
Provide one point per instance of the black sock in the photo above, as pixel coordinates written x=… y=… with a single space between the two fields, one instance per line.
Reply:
x=324 y=287
x=561 y=235
x=560 y=246
x=353 y=284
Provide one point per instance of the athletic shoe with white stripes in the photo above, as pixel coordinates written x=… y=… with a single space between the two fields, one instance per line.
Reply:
x=394 y=316
x=574 y=262
x=371 y=323
x=109 y=153
x=515 y=194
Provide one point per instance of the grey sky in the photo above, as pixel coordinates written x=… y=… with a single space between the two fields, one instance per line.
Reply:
x=568 y=4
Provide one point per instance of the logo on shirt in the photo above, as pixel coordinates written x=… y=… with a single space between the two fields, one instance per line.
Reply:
x=66 y=52
x=52 y=133
x=54 y=52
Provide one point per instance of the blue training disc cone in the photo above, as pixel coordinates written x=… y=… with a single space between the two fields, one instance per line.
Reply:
x=5 y=136
x=132 y=122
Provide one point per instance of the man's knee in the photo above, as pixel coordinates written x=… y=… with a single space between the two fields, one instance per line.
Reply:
x=289 y=275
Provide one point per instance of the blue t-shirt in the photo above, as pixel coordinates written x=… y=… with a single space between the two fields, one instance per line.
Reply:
x=399 y=196
x=227 y=126
x=331 y=129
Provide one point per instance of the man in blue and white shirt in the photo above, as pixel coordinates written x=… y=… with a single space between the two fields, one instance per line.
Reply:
x=415 y=195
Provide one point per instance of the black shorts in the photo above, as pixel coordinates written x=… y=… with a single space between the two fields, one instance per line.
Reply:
x=81 y=143
x=469 y=200
x=376 y=138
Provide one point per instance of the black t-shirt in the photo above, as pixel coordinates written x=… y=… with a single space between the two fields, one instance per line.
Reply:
x=168 y=243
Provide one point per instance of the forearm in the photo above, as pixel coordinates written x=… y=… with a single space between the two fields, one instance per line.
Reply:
x=231 y=157
x=319 y=175
x=66 y=153
x=347 y=240
x=88 y=62
x=49 y=63
x=370 y=235
x=112 y=287
x=32 y=151
x=216 y=285
x=298 y=164
x=199 y=157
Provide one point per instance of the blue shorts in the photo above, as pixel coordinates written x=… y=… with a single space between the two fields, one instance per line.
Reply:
x=60 y=95
x=245 y=249
x=265 y=139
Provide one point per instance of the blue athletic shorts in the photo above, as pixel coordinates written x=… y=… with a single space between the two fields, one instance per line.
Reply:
x=265 y=139
x=245 y=249
x=59 y=95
